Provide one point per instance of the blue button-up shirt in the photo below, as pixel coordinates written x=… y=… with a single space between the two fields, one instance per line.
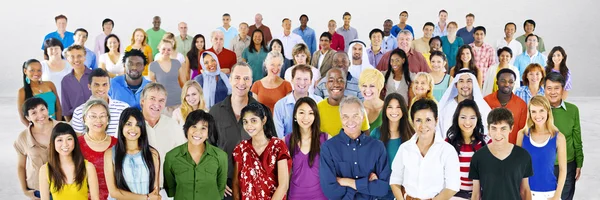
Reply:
x=66 y=41
x=90 y=58
x=352 y=88
x=437 y=31
x=522 y=60
x=119 y=90
x=524 y=93
x=308 y=35
x=374 y=58
x=357 y=158
x=284 y=111
x=389 y=43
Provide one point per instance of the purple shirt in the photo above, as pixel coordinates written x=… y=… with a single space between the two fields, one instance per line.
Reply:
x=567 y=79
x=305 y=182
x=74 y=93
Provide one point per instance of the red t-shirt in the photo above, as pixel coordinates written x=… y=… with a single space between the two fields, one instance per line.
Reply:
x=227 y=58
x=97 y=158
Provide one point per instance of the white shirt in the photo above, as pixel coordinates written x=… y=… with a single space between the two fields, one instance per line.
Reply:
x=55 y=77
x=164 y=136
x=115 y=68
x=514 y=45
x=321 y=58
x=316 y=76
x=289 y=42
x=180 y=57
x=355 y=70
x=425 y=177
x=446 y=114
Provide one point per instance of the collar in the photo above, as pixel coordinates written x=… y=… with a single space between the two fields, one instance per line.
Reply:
x=209 y=149
x=562 y=105
x=86 y=71
x=347 y=140
x=31 y=142
x=226 y=103
x=436 y=139
x=348 y=77
x=370 y=50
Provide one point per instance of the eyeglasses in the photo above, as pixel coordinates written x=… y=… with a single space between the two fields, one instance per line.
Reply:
x=96 y=117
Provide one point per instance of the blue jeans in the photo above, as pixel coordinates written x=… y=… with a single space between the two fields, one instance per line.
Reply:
x=569 y=189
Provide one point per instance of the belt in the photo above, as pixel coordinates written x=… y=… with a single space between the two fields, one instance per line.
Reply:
x=411 y=198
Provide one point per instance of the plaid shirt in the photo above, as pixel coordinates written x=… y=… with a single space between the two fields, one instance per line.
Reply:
x=483 y=57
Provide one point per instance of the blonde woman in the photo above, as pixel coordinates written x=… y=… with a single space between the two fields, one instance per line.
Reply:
x=422 y=87
x=371 y=83
x=192 y=98
x=139 y=41
x=545 y=144
x=301 y=55
x=174 y=55
x=168 y=72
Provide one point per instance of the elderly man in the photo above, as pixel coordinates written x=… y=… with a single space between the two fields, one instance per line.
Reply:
x=240 y=41
x=61 y=33
x=289 y=39
x=184 y=41
x=128 y=87
x=155 y=35
x=416 y=61
x=353 y=165
x=227 y=58
x=229 y=31
x=259 y=25
x=340 y=60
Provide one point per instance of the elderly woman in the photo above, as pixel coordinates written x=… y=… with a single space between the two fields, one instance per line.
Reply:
x=371 y=83
x=272 y=87
x=214 y=82
x=301 y=55
x=532 y=82
x=277 y=46
x=422 y=87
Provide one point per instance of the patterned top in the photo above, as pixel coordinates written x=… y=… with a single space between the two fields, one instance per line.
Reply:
x=97 y=158
x=258 y=173
x=484 y=57
x=464 y=158
x=524 y=93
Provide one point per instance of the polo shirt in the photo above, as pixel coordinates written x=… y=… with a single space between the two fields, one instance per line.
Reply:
x=227 y=58
x=115 y=108
x=74 y=92
x=36 y=154
x=66 y=41
x=229 y=34
x=522 y=60
x=566 y=119
x=541 y=47
x=119 y=90
x=348 y=34
x=517 y=107
x=283 y=113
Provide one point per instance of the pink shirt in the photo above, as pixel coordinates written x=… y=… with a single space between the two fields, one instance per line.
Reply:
x=483 y=57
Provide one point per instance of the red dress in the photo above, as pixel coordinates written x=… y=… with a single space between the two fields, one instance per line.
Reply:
x=258 y=173
x=97 y=158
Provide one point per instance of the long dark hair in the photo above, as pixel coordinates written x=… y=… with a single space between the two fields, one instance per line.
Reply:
x=459 y=63
x=278 y=42
x=194 y=52
x=563 y=69
x=26 y=85
x=57 y=175
x=406 y=130
x=454 y=135
x=200 y=115
x=263 y=45
x=405 y=70
x=106 y=43
x=143 y=145
x=261 y=111
x=315 y=129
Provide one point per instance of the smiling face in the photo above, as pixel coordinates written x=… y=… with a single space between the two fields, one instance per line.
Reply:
x=139 y=37
x=80 y=38
x=532 y=42
x=274 y=66
x=467 y=120
x=218 y=40
x=443 y=16
x=33 y=71
x=134 y=65
x=300 y=58
x=553 y=91
x=240 y=80
x=301 y=81
x=505 y=57
x=424 y=123
x=465 y=55
x=113 y=44
x=210 y=63
x=243 y=29
x=96 y=118
x=538 y=115
x=257 y=38
x=435 y=45
x=509 y=30
x=452 y=29
x=61 y=24
x=200 y=44
x=331 y=26
x=437 y=63
x=38 y=115
x=387 y=27
x=305 y=116
x=166 y=49
x=428 y=31
x=376 y=39
x=352 y=117
x=153 y=103
x=465 y=86
x=192 y=96
x=357 y=51
x=276 y=47
x=336 y=85
x=156 y=22
x=396 y=61
x=347 y=19
x=108 y=26
x=76 y=58
x=534 y=76
x=324 y=43
x=369 y=91
x=183 y=29
x=404 y=41
x=99 y=87
x=64 y=144
x=557 y=57
x=393 y=111
x=54 y=52
x=253 y=124
x=499 y=132
x=287 y=25
x=470 y=21
x=226 y=20
x=506 y=82
x=131 y=130
x=197 y=133
x=421 y=86
x=529 y=28
x=479 y=36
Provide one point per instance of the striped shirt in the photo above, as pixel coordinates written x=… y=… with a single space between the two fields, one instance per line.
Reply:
x=115 y=108
x=464 y=159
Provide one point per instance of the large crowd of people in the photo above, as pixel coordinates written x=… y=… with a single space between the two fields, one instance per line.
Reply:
x=262 y=115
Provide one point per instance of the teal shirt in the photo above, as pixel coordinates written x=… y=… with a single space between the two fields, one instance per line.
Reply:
x=255 y=60
x=154 y=38
x=184 y=179
x=566 y=119
x=451 y=50
x=376 y=123
x=440 y=88
x=50 y=99
x=392 y=146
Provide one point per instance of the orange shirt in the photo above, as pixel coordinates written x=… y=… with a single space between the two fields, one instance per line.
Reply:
x=270 y=96
x=517 y=106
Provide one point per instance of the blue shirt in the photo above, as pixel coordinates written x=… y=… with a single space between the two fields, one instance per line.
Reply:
x=308 y=35
x=90 y=58
x=67 y=41
x=375 y=58
x=228 y=35
x=467 y=36
x=522 y=60
x=119 y=90
x=344 y=157
x=396 y=29
x=524 y=93
x=283 y=111
x=389 y=43
x=437 y=31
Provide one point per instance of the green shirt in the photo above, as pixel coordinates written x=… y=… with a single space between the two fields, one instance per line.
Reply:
x=154 y=38
x=184 y=179
x=521 y=39
x=376 y=123
x=566 y=119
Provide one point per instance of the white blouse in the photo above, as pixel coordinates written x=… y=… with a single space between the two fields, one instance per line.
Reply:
x=115 y=68
x=55 y=77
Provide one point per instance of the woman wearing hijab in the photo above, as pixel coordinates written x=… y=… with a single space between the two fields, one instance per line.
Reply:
x=214 y=82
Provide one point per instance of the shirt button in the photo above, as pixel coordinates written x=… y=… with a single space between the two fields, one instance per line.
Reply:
x=353 y=149
x=356 y=176
x=355 y=163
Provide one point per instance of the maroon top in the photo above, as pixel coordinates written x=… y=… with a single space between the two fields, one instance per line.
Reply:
x=97 y=158
x=266 y=33
x=416 y=62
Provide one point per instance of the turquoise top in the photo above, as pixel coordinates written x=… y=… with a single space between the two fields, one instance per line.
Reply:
x=255 y=60
x=50 y=99
x=391 y=147
x=135 y=172
x=451 y=50
x=440 y=88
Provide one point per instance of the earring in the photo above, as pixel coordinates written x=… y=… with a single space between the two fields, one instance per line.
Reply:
x=27 y=80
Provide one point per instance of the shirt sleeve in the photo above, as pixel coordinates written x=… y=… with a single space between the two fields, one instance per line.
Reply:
x=65 y=104
x=222 y=172
x=473 y=170
x=313 y=42
x=279 y=117
x=282 y=153
x=380 y=186
x=342 y=44
x=328 y=179
x=319 y=89
x=568 y=81
x=528 y=170
x=169 y=184
x=94 y=62
x=577 y=139
x=77 y=120
x=451 y=169
x=397 y=175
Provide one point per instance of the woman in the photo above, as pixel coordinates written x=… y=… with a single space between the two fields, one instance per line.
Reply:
x=271 y=88
x=139 y=40
x=174 y=54
x=422 y=87
x=546 y=145
x=558 y=63
x=533 y=76
x=192 y=56
x=134 y=170
x=490 y=84
x=95 y=141
x=262 y=163
x=168 y=72
x=33 y=86
x=277 y=46
x=435 y=44
x=441 y=79
x=111 y=61
x=301 y=55
x=465 y=61
x=395 y=128
x=466 y=135
x=371 y=84
x=255 y=54
x=426 y=166
x=192 y=99
x=304 y=144
x=31 y=145
x=215 y=83
x=397 y=77
x=451 y=44
x=56 y=67
x=67 y=175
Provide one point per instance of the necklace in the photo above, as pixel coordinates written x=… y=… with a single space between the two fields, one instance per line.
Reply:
x=96 y=141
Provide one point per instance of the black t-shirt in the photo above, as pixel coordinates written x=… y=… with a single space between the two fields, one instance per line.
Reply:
x=500 y=179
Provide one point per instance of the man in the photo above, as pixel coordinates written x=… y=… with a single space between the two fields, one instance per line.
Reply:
x=229 y=31
x=227 y=58
x=80 y=38
x=440 y=27
x=288 y=39
x=466 y=33
x=376 y=51
x=353 y=165
x=389 y=40
x=360 y=60
x=566 y=119
x=75 y=90
x=128 y=87
x=337 y=40
x=422 y=44
x=259 y=25
x=184 y=41
x=307 y=34
x=529 y=27
x=107 y=27
x=483 y=53
x=416 y=61
x=349 y=33
x=155 y=35
x=464 y=86
x=99 y=83
x=509 y=40
x=227 y=115
x=164 y=133
x=323 y=59
x=284 y=108
x=340 y=60
x=531 y=55
x=501 y=169
x=240 y=41
x=505 y=98
x=402 y=25
x=61 y=33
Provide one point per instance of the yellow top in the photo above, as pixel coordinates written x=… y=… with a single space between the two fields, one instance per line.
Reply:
x=148 y=53
x=331 y=123
x=70 y=191
x=426 y=56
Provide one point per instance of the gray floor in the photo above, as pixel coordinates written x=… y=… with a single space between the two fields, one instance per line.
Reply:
x=590 y=123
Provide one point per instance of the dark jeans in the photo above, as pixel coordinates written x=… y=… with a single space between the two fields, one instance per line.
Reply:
x=569 y=189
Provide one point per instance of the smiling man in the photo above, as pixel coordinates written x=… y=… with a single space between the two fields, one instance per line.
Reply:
x=505 y=98
x=61 y=33
x=75 y=90
x=80 y=37
x=128 y=87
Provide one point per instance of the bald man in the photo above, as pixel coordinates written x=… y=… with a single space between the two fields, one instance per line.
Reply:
x=184 y=41
x=259 y=25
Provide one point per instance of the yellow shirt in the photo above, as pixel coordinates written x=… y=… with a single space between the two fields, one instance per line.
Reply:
x=331 y=123
x=426 y=56
x=70 y=191
x=148 y=53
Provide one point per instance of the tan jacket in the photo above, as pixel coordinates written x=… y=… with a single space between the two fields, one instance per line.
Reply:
x=327 y=61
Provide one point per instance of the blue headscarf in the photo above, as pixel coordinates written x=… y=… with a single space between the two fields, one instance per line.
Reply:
x=210 y=82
